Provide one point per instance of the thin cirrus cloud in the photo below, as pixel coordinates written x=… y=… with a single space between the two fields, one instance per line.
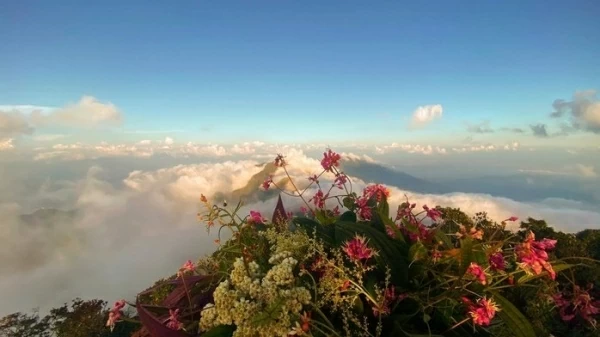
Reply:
x=154 y=210
x=426 y=114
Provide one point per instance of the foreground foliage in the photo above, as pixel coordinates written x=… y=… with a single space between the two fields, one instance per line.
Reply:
x=346 y=265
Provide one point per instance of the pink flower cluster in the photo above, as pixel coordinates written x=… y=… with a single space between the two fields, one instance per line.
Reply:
x=330 y=160
x=340 y=180
x=432 y=213
x=389 y=297
x=580 y=303
x=405 y=213
x=115 y=314
x=256 y=218
x=173 y=320
x=533 y=255
x=483 y=311
x=319 y=199
x=377 y=190
x=496 y=261
x=357 y=249
x=267 y=183
x=188 y=266
x=364 y=211
x=476 y=271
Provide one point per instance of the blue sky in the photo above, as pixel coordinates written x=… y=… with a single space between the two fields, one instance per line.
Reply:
x=302 y=71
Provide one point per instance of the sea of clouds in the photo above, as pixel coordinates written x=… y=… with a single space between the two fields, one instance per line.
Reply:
x=129 y=234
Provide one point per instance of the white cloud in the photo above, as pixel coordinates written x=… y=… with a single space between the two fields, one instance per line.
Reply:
x=6 y=144
x=145 y=142
x=169 y=141
x=13 y=123
x=88 y=111
x=586 y=171
x=426 y=114
x=583 y=110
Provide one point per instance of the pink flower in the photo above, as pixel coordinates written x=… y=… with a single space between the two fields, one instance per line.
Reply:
x=336 y=211
x=267 y=183
x=476 y=234
x=314 y=179
x=496 y=261
x=304 y=210
x=357 y=249
x=330 y=160
x=533 y=257
x=483 y=312
x=319 y=199
x=256 y=218
x=377 y=190
x=279 y=161
x=173 y=320
x=476 y=270
x=115 y=314
x=390 y=232
x=580 y=304
x=364 y=211
x=389 y=296
x=512 y=218
x=340 y=180
x=432 y=213
x=188 y=266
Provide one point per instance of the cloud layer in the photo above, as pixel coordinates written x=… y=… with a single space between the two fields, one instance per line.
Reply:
x=123 y=236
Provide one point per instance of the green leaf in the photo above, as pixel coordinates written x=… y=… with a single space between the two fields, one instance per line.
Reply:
x=417 y=251
x=443 y=237
x=220 y=331
x=348 y=216
x=466 y=254
x=325 y=233
x=512 y=317
x=384 y=208
x=559 y=267
x=349 y=203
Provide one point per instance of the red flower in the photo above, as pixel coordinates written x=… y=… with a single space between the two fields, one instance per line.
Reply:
x=533 y=257
x=173 y=319
x=496 y=261
x=330 y=160
x=188 y=266
x=580 y=303
x=256 y=218
x=267 y=183
x=377 y=190
x=512 y=218
x=203 y=198
x=364 y=211
x=476 y=270
x=483 y=312
x=436 y=255
x=336 y=211
x=357 y=249
x=340 y=180
x=115 y=314
x=319 y=199
x=432 y=213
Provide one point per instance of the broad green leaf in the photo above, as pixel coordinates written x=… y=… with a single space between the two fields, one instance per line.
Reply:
x=559 y=267
x=466 y=254
x=512 y=317
x=443 y=237
x=220 y=331
x=384 y=208
x=348 y=216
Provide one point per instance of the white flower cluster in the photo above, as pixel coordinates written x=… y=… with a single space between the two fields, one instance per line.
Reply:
x=258 y=306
